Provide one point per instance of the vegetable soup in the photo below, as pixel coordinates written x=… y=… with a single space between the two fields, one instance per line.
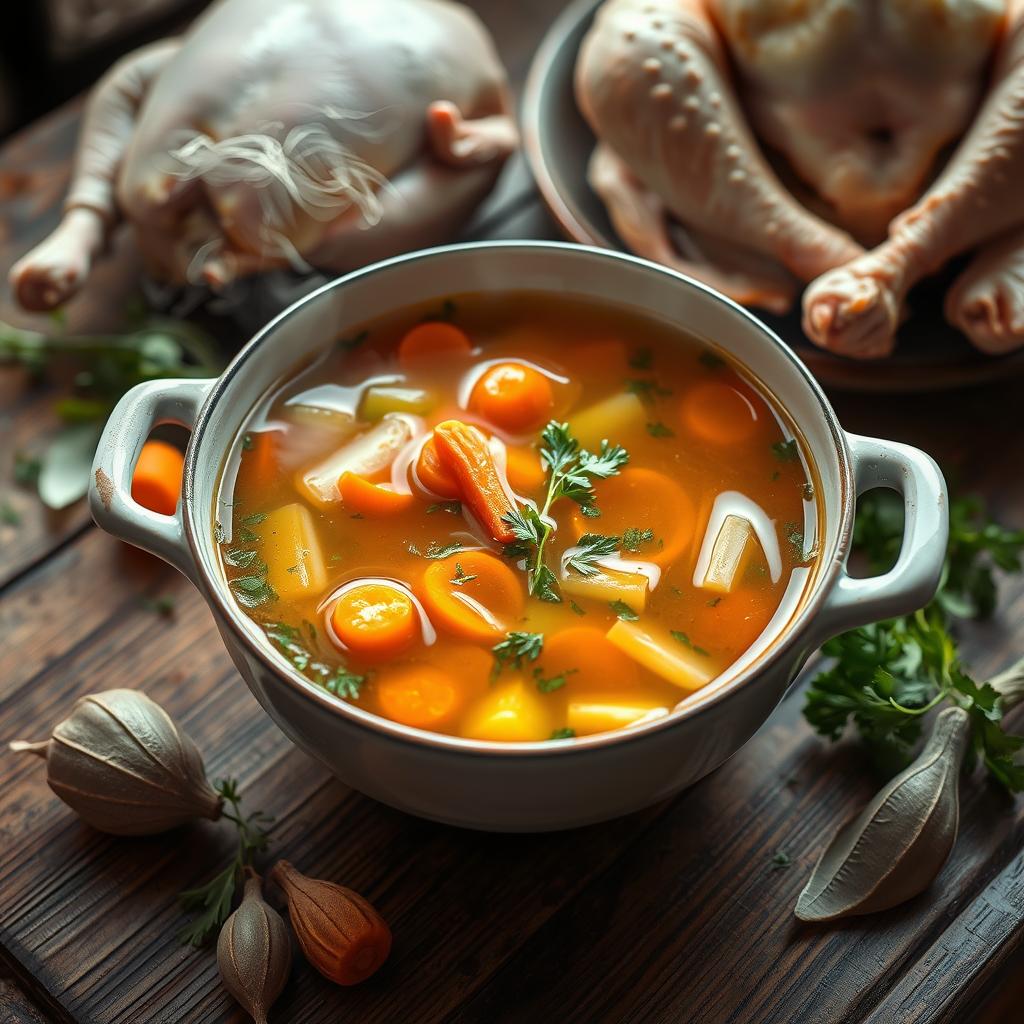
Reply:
x=516 y=519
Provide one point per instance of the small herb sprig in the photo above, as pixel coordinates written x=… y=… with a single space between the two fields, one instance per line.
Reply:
x=572 y=471
x=887 y=676
x=213 y=901
x=338 y=680
x=517 y=647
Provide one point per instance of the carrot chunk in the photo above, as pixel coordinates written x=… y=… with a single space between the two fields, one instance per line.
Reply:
x=433 y=338
x=156 y=482
x=513 y=396
x=417 y=695
x=463 y=451
x=722 y=413
x=473 y=594
x=432 y=475
x=375 y=620
x=370 y=499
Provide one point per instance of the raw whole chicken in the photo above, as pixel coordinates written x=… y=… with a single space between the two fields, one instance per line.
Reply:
x=896 y=135
x=324 y=133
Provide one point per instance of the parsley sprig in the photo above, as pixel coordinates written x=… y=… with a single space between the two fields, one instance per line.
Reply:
x=517 y=647
x=887 y=676
x=213 y=900
x=572 y=471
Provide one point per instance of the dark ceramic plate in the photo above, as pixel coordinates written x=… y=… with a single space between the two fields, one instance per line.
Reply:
x=930 y=354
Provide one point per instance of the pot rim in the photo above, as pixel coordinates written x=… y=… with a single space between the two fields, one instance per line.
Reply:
x=786 y=642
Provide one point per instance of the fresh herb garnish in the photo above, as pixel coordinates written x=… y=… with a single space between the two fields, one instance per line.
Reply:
x=551 y=683
x=660 y=430
x=163 y=605
x=887 y=675
x=590 y=548
x=576 y=608
x=345 y=684
x=214 y=899
x=795 y=537
x=247 y=442
x=713 y=602
x=243 y=558
x=647 y=390
x=572 y=471
x=461 y=577
x=337 y=680
x=710 y=360
x=435 y=550
x=563 y=734
x=680 y=637
x=633 y=539
x=253 y=590
x=454 y=507
x=786 y=451
x=516 y=648
x=623 y=611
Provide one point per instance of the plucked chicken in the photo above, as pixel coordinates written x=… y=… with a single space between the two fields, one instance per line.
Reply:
x=303 y=133
x=855 y=146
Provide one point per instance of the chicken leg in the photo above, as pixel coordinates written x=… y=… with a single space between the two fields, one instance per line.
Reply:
x=856 y=308
x=56 y=268
x=653 y=82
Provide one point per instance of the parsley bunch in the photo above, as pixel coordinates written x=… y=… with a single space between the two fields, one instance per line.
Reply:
x=572 y=471
x=887 y=676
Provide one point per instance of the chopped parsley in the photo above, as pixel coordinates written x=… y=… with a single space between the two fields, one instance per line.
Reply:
x=516 y=648
x=435 y=550
x=786 y=451
x=634 y=538
x=589 y=549
x=679 y=636
x=461 y=577
x=564 y=734
x=454 y=507
x=623 y=611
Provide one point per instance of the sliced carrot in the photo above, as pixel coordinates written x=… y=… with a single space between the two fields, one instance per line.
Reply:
x=524 y=470
x=433 y=338
x=722 y=413
x=463 y=451
x=369 y=499
x=418 y=695
x=473 y=594
x=643 y=499
x=513 y=396
x=259 y=465
x=375 y=619
x=588 y=660
x=432 y=475
x=156 y=482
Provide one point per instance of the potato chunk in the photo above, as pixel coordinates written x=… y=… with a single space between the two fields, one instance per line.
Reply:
x=673 y=660
x=291 y=549
x=729 y=555
x=599 y=714
x=364 y=455
x=608 y=419
x=608 y=586
x=512 y=712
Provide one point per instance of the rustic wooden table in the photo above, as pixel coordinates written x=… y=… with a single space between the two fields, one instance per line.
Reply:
x=675 y=914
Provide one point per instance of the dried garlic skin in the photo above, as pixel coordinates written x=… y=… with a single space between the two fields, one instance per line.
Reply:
x=339 y=932
x=254 y=953
x=122 y=764
x=896 y=846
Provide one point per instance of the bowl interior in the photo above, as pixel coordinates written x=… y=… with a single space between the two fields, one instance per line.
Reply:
x=557 y=269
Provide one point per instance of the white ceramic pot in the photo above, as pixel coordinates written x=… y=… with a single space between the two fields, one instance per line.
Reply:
x=524 y=786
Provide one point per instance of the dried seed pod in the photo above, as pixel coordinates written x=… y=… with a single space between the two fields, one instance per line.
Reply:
x=339 y=932
x=254 y=954
x=121 y=763
x=896 y=846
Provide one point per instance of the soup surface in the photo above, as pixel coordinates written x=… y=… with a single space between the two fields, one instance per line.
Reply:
x=516 y=519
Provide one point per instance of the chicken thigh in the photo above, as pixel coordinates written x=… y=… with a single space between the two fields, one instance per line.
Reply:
x=857 y=103
x=323 y=133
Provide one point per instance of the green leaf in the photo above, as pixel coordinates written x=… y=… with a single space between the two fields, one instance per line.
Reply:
x=461 y=577
x=588 y=550
x=576 y=608
x=517 y=647
x=67 y=465
x=786 y=451
x=633 y=539
x=563 y=734
x=623 y=611
x=454 y=507
x=435 y=550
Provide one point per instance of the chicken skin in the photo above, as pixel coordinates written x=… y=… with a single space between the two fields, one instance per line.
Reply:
x=853 y=146
x=309 y=133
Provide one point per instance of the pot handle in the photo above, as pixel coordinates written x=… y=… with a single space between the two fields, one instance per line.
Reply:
x=110 y=486
x=913 y=580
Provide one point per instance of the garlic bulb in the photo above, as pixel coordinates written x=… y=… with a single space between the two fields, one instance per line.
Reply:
x=254 y=953
x=121 y=763
x=340 y=933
